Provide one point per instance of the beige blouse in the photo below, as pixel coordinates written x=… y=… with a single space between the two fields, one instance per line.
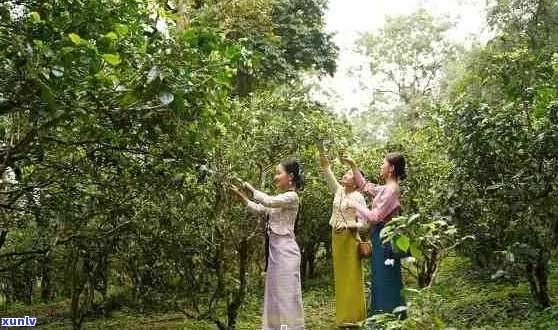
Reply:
x=342 y=214
x=282 y=210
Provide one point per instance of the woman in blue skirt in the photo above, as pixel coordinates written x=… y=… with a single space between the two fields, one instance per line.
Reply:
x=386 y=282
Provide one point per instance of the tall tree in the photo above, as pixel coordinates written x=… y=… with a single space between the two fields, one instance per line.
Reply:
x=407 y=57
x=502 y=126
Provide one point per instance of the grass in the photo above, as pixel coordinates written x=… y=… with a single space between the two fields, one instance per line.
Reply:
x=318 y=305
x=460 y=299
x=470 y=302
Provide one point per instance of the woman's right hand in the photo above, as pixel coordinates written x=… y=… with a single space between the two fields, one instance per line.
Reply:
x=236 y=192
x=324 y=160
x=347 y=159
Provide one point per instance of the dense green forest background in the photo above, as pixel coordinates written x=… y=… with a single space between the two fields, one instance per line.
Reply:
x=123 y=121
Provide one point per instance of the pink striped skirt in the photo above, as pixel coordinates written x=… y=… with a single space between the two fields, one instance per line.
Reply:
x=283 y=293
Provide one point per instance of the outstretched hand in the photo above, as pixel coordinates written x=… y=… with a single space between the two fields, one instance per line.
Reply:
x=239 y=195
x=347 y=159
x=243 y=186
x=247 y=186
x=324 y=159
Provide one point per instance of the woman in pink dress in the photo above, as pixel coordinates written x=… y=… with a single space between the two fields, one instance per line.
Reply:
x=386 y=280
x=283 y=293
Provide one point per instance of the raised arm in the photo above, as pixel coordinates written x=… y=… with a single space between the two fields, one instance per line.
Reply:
x=364 y=186
x=360 y=201
x=251 y=206
x=328 y=173
x=382 y=209
x=287 y=199
x=256 y=208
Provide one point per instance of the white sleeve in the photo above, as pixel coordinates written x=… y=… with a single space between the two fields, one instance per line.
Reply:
x=288 y=199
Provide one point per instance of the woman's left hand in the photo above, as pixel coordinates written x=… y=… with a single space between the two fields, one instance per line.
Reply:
x=347 y=159
x=236 y=192
x=248 y=186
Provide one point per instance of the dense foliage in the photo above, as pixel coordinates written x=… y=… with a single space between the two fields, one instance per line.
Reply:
x=123 y=123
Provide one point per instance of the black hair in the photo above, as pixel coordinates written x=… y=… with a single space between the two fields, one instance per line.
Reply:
x=293 y=167
x=397 y=160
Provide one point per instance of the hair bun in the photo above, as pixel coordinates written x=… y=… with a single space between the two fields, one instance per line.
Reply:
x=299 y=181
x=402 y=176
x=398 y=161
x=294 y=168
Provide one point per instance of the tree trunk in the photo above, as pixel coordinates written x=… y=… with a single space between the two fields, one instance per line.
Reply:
x=182 y=13
x=28 y=284
x=22 y=283
x=240 y=294
x=3 y=234
x=427 y=271
x=312 y=263
x=307 y=266
x=422 y=276
x=76 y=305
x=537 y=275
x=47 y=289
x=244 y=83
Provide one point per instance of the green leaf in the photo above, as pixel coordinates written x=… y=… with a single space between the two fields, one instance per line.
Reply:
x=143 y=48
x=35 y=17
x=540 y=111
x=66 y=50
x=47 y=96
x=178 y=177
x=121 y=29
x=128 y=98
x=178 y=104
x=233 y=53
x=111 y=36
x=221 y=128
x=76 y=39
x=403 y=242
x=415 y=251
x=223 y=79
x=100 y=75
x=112 y=59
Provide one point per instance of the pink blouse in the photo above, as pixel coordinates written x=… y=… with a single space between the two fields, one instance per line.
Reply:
x=384 y=204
